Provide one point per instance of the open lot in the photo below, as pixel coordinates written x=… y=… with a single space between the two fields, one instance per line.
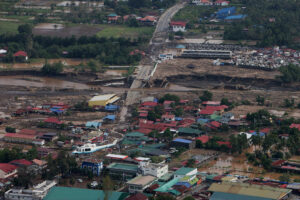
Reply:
x=67 y=31
x=124 y=31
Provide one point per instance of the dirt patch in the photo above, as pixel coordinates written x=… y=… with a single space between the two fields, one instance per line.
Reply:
x=205 y=66
x=77 y=31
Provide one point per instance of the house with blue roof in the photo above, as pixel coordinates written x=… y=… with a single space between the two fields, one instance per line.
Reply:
x=235 y=17
x=111 y=108
x=109 y=118
x=225 y=12
x=93 y=124
x=183 y=143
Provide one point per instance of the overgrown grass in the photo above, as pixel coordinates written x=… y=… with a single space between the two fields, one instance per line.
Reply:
x=9 y=27
x=125 y=31
x=192 y=13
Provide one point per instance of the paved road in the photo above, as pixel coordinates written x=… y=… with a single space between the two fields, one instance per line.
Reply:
x=144 y=71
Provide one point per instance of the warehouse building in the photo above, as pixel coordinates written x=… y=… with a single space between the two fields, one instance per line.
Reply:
x=183 y=143
x=140 y=183
x=122 y=171
x=103 y=100
x=236 y=191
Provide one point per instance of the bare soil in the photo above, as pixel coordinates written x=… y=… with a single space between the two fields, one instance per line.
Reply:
x=79 y=30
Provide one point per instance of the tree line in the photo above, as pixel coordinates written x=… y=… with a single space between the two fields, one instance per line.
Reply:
x=271 y=22
x=106 y=50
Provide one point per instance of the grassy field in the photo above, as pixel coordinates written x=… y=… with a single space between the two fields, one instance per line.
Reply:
x=9 y=27
x=192 y=13
x=124 y=31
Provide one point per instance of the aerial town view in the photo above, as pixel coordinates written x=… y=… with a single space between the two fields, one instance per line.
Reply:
x=149 y=100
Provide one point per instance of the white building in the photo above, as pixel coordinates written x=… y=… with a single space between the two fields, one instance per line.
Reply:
x=38 y=192
x=186 y=171
x=221 y=3
x=178 y=26
x=168 y=56
x=153 y=169
x=202 y=2
x=140 y=183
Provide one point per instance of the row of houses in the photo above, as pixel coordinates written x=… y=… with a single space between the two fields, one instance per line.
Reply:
x=148 y=20
x=210 y=3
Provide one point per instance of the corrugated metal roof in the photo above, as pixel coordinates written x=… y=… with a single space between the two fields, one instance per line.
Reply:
x=225 y=196
x=249 y=190
x=70 y=193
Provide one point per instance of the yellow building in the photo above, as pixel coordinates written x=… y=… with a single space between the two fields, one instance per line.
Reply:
x=103 y=100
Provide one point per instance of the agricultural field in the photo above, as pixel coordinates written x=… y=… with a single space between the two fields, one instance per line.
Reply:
x=124 y=31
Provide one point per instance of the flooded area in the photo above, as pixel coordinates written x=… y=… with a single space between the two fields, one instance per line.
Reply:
x=31 y=81
x=39 y=63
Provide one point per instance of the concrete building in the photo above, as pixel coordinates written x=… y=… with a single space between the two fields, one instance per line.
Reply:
x=153 y=169
x=7 y=171
x=183 y=143
x=140 y=183
x=93 y=165
x=235 y=191
x=123 y=171
x=185 y=171
x=38 y=192
x=103 y=100
x=178 y=26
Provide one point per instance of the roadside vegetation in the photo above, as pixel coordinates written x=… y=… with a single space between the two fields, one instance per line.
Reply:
x=105 y=50
x=270 y=22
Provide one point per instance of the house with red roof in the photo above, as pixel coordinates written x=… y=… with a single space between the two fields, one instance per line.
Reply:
x=113 y=18
x=148 y=20
x=21 y=56
x=20 y=138
x=297 y=126
x=168 y=117
x=204 y=138
x=53 y=122
x=221 y=3
x=205 y=113
x=150 y=104
x=7 y=171
x=28 y=132
x=178 y=26
x=21 y=163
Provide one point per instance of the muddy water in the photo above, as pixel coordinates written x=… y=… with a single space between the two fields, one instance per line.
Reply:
x=31 y=81
x=39 y=64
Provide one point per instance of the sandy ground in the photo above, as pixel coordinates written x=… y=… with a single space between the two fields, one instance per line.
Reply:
x=205 y=66
x=77 y=31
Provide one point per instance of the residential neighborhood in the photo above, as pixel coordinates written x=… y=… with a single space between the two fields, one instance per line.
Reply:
x=149 y=100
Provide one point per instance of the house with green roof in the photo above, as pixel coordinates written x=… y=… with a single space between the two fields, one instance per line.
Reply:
x=71 y=193
x=122 y=171
x=189 y=132
x=185 y=171
x=247 y=191
x=134 y=138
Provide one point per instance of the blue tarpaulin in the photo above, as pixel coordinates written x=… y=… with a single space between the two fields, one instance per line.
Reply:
x=110 y=117
x=111 y=107
x=93 y=124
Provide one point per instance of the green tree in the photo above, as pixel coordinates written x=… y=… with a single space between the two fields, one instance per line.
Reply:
x=206 y=96
x=260 y=100
x=284 y=178
x=52 y=69
x=9 y=129
x=108 y=186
